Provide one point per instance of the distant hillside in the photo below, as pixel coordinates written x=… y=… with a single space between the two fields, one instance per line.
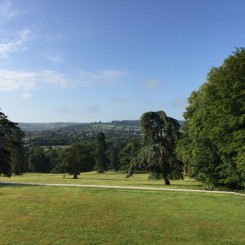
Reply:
x=44 y=126
x=61 y=125
x=126 y=123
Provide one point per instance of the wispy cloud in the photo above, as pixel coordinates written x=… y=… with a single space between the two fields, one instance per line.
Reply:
x=8 y=12
x=151 y=84
x=21 y=80
x=112 y=74
x=93 y=108
x=64 y=109
x=12 y=41
x=24 y=80
x=16 y=43
x=17 y=80
x=54 y=78
x=54 y=58
x=25 y=96
x=103 y=77
x=120 y=100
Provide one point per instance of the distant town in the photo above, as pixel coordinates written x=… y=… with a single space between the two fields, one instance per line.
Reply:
x=58 y=134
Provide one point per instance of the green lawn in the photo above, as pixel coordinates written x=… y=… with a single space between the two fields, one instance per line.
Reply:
x=108 y=178
x=74 y=215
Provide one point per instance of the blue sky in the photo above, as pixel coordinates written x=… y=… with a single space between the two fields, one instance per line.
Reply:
x=103 y=60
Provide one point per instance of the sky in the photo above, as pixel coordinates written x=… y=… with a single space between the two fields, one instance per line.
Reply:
x=103 y=60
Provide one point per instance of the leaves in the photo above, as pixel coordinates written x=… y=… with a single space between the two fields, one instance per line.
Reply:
x=215 y=125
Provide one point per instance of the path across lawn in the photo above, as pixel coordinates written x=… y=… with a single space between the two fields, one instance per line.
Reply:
x=123 y=187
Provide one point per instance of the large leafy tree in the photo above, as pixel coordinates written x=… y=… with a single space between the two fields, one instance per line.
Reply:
x=10 y=145
x=214 y=133
x=157 y=154
x=75 y=159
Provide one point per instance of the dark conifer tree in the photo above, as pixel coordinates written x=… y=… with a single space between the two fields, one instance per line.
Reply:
x=11 y=146
x=100 y=154
x=157 y=155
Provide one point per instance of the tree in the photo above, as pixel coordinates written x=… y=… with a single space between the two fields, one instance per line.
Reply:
x=53 y=156
x=9 y=143
x=100 y=154
x=212 y=145
x=38 y=162
x=75 y=159
x=157 y=155
x=5 y=166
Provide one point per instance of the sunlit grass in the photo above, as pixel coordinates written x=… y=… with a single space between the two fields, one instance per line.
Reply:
x=108 y=178
x=73 y=215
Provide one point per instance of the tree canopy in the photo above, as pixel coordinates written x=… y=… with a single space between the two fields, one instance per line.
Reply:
x=75 y=159
x=157 y=154
x=212 y=145
x=11 y=146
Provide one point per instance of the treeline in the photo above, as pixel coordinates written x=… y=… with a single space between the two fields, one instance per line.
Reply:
x=78 y=155
x=95 y=155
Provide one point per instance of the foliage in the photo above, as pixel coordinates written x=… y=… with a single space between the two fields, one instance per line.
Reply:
x=11 y=147
x=212 y=145
x=113 y=152
x=75 y=159
x=5 y=166
x=38 y=161
x=100 y=154
x=157 y=154
x=119 y=152
x=128 y=153
x=18 y=154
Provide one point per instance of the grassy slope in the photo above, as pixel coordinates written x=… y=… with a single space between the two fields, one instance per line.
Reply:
x=72 y=215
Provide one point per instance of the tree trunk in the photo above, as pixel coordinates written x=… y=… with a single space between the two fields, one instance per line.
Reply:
x=75 y=176
x=167 y=182
x=100 y=171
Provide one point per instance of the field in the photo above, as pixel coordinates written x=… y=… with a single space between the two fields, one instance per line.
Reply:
x=75 y=215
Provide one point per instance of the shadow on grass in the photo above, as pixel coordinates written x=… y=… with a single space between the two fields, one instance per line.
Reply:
x=9 y=184
x=177 y=185
x=187 y=185
x=70 y=178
